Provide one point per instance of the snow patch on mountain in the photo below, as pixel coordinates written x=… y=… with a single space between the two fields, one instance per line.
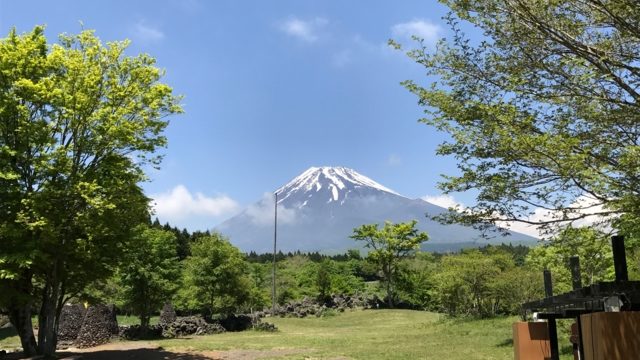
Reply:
x=339 y=181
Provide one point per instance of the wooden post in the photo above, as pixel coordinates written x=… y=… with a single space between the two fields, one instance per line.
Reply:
x=548 y=286
x=551 y=322
x=619 y=258
x=574 y=263
x=576 y=279
x=580 y=337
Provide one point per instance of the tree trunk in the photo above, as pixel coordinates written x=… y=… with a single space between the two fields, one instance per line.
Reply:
x=145 y=318
x=20 y=317
x=20 y=312
x=389 y=297
x=49 y=316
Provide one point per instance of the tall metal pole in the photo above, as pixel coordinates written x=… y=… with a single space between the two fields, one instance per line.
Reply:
x=275 y=238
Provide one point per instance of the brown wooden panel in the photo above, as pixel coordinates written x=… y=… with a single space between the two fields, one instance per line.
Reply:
x=531 y=341
x=611 y=335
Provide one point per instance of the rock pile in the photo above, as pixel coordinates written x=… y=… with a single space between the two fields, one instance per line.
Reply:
x=167 y=315
x=97 y=327
x=113 y=320
x=260 y=325
x=71 y=319
x=191 y=325
x=134 y=332
x=310 y=307
x=237 y=322
x=303 y=308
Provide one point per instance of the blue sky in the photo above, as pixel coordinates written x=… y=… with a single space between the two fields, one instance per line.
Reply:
x=270 y=89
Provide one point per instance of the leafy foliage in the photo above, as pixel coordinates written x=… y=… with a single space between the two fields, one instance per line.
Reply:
x=484 y=285
x=388 y=245
x=590 y=245
x=149 y=273
x=543 y=114
x=216 y=277
x=79 y=121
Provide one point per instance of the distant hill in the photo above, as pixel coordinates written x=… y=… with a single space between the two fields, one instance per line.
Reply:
x=318 y=210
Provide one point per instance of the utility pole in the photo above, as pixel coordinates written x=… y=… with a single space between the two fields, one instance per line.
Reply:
x=275 y=238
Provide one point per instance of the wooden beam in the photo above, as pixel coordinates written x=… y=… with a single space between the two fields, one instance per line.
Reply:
x=619 y=258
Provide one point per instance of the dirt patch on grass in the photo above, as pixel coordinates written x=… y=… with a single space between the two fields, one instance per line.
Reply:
x=149 y=351
x=248 y=354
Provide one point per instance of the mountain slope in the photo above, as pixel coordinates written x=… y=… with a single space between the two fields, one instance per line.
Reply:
x=318 y=210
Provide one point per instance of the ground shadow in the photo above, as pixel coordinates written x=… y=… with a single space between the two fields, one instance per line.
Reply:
x=142 y=354
x=506 y=343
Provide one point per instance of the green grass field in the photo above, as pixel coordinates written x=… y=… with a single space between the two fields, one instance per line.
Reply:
x=384 y=334
x=370 y=334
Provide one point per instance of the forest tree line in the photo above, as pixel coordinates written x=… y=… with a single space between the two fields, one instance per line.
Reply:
x=216 y=278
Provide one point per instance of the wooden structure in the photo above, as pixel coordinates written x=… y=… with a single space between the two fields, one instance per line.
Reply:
x=587 y=300
x=611 y=335
x=531 y=341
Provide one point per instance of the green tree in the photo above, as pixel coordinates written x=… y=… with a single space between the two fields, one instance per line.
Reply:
x=515 y=286
x=323 y=280
x=415 y=280
x=149 y=272
x=543 y=113
x=464 y=284
x=483 y=284
x=388 y=246
x=216 y=276
x=590 y=245
x=79 y=121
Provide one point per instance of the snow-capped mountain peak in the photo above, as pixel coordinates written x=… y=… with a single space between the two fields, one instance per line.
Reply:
x=318 y=210
x=330 y=183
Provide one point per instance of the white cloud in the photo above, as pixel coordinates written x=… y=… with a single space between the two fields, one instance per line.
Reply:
x=263 y=212
x=445 y=201
x=179 y=203
x=527 y=229
x=424 y=29
x=588 y=205
x=305 y=30
x=147 y=33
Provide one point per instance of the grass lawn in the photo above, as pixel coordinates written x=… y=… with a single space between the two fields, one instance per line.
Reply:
x=370 y=334
x=383 y=334
x=134 y=320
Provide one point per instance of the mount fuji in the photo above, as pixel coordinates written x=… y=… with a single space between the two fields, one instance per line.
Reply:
x=318 y=210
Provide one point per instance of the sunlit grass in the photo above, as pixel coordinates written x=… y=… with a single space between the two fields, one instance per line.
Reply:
x=384 y=334
x=134 y=320
x=361 y=334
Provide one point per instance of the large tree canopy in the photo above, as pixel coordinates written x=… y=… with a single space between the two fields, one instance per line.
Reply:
x=216 y=276
x=79 y=121
x=150 y=272
x=544 y=113
x=388 y=246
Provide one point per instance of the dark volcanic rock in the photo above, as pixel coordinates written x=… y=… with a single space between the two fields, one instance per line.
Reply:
x=97 y=327
x=310 y=307
x=113 y=320
x=191 y=325
x=167 y=315
x=134 y=332
x=237 y=322
x=71 y=319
